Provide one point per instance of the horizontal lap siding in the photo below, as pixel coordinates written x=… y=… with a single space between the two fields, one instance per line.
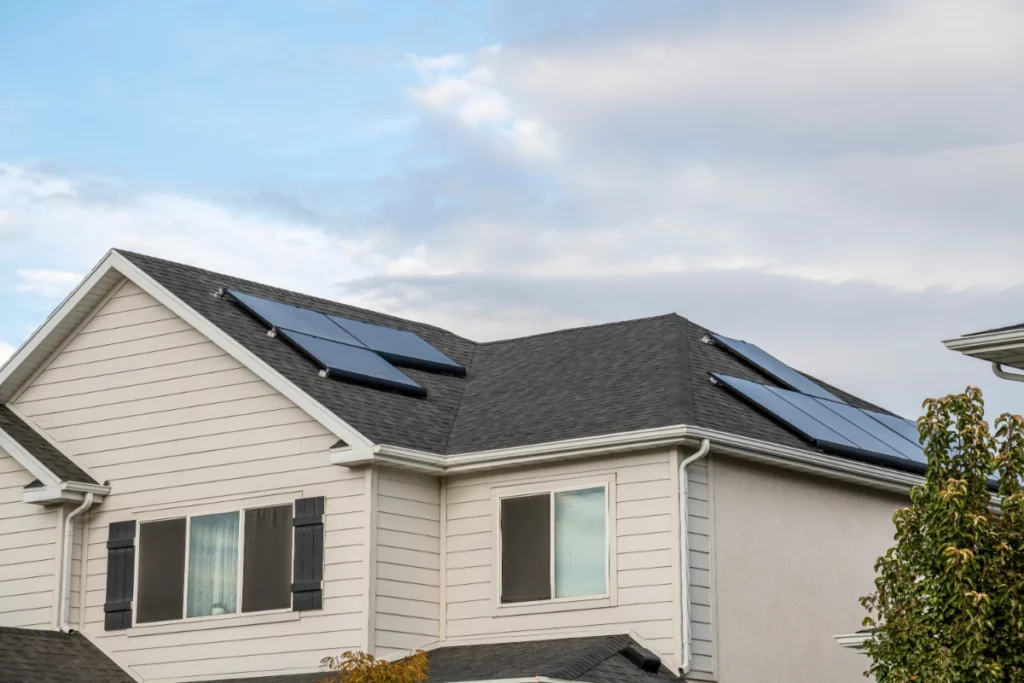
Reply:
x=645 y=545
x=408 y=561
x=28 y=542
x=145 y=401
x=699 y=540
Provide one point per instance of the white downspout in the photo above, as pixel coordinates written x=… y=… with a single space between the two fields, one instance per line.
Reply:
x=65 y=583
x=997 y=370
x=684 y=525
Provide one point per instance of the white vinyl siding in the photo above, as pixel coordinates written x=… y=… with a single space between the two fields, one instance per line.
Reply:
x=408 y=561
x=143 y=400
x=28 y=544
x=644 y=546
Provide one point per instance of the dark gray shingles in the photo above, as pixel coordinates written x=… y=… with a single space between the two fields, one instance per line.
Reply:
x=588 y=381
x=31 y=656
x=575 y=383
x=51 y=458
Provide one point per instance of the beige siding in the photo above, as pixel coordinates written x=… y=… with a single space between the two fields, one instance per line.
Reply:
x=645 y=545
x=146 y=402
x=792 y=555
x=28 y=543
x=699 y=546
x=408 y=561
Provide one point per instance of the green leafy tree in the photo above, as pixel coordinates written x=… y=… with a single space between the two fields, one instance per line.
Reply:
x=947 y=606
x=360 y=667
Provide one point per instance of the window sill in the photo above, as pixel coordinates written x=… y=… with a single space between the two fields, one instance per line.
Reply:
x=564 y=605
x=221 y=621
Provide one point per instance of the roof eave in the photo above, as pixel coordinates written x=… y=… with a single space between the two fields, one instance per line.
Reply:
x=1005 y=347
x=64 y=492
x=799 y=459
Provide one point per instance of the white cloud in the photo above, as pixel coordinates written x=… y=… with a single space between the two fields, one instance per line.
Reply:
x=50 y=283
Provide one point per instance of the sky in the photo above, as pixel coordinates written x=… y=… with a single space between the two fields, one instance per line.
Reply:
x=840 y=182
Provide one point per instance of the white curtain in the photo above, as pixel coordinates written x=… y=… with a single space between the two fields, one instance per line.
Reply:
x=581 y=555
x=213 y=565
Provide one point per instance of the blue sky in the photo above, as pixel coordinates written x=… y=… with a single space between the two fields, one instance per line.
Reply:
x=837 y=181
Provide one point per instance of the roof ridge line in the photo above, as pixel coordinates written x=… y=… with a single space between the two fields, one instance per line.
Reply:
x=580 y=327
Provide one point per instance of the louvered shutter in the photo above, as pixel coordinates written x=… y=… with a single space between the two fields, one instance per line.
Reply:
x=120 y=576
x=308 y=570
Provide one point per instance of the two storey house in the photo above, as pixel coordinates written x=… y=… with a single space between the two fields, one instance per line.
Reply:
x=204 y=478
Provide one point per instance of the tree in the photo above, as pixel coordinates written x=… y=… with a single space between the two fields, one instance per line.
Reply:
x=360 y=667
x=947 y=606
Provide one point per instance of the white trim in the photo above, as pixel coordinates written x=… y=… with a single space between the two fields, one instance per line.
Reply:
x=854 y=641
x=799 y=459
x=65 y=492
x=114 y=261
x=44 y=435
x=27 y=460
x=552 y=487
x=370 y=484
x=328 y=419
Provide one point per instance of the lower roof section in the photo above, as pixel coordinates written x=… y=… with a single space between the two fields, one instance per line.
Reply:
x=32 y=656
x=593 y=659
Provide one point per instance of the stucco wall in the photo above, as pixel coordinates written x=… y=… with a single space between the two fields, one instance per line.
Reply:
x=792 y=555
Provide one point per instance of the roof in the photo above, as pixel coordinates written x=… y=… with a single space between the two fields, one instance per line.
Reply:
x=582 y=382
x=31 y=656
x=594 y=659
x=41 y=449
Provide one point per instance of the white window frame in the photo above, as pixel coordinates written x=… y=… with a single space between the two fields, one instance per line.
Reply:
x=552 y=487
x=188 y=516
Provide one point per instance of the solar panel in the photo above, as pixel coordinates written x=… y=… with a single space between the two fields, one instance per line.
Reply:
x=907 y=429
x=761 y=396
x=773 y=367
x=864 y=420
x=353 y=363
x=400 y=346
x=286 y=317
x=821 y=411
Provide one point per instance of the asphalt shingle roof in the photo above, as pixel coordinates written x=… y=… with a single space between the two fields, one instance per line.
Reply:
x=594 y=659
x=31 y=656
x=51 y=458
x=587 y=381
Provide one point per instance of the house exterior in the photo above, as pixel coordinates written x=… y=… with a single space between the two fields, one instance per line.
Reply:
x=203 y=483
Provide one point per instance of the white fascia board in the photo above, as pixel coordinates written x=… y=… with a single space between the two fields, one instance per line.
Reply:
x=55 y=318
x=982 y=343
x=27 y=460
x=328 y=419
x=799 y=459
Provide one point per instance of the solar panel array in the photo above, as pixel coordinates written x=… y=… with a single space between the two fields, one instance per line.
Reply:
x=351 y=350
x=816 y=413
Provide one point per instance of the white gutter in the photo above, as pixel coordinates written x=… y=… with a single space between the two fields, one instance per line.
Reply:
x=798 y=459
x=64 y=492
x=997 y=370
x=65 y=584
x=684 y=516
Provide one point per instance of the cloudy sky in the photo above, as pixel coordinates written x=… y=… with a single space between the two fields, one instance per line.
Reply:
x=840 y=182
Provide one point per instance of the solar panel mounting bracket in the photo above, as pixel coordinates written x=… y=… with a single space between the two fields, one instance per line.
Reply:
x=272 y=332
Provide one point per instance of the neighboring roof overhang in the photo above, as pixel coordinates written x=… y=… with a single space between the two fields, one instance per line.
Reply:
x=854 y=641
x=799 y=459
x=75 y=309
x=1004 y=346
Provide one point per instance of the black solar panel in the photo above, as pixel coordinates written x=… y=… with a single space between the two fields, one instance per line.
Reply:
x=400 y=346
x=830 y=425
x=286 y=317
x=773 y=367
x=353 y=363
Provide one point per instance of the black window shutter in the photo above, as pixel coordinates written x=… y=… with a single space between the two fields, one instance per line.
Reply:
x=308 y=570
x=120 y=576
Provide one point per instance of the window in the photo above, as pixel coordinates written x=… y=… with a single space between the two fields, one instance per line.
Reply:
x=554 y=545
x=210 y=565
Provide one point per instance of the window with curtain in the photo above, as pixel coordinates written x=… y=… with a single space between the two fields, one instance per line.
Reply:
x=213 y=565
x=210 y=565
x=554 y=545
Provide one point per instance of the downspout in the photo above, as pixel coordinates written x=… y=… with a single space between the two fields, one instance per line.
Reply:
x=65 y=584
x=684 y=525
